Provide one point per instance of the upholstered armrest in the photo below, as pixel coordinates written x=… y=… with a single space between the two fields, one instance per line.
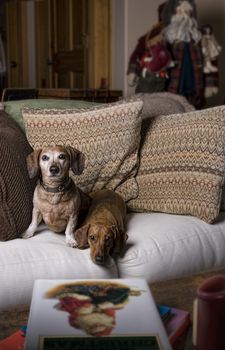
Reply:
x=16 y=189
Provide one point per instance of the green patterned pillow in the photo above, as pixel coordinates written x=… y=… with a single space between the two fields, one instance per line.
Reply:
x=182 y=164
x=14 y=108
x=108 y=135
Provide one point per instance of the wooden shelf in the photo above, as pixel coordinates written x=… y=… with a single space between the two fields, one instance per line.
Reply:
x=93 y=95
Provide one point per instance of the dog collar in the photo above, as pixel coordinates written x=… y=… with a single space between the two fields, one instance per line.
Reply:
x=61 y=188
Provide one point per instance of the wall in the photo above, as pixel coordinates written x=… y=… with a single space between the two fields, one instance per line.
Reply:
x=133 y=18
x=130 y=20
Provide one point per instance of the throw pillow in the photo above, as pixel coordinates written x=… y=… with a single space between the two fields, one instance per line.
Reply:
x=182 y=163
x=161 y=103
x=108 y=135
x=16 y=189
x=14 y=108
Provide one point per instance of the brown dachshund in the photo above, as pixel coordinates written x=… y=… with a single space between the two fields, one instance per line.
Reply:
x=103 y=228
x=57 y=200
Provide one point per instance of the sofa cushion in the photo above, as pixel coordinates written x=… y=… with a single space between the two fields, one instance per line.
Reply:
x=159 y=247
x=14 y=108
x=182 y=164
x=108 y=135
x=161 y=103
x=163 y=246
x=45 y=256
x=16 y=189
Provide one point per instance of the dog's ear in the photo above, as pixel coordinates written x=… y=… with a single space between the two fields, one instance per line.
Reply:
x=33 y=163
x=77 y=160
x=81 y=236
x=120 y=238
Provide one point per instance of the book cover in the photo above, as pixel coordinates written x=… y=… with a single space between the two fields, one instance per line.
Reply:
x=13 y=342
x=89 y=314
x=176 y=322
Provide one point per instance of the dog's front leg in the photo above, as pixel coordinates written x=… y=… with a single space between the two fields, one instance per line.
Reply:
x=70 y=229
x=36 y=219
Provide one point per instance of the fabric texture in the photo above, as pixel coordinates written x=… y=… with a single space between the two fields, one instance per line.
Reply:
x=108 y=135
x=182 y=164
x=16 y=189
x=14 y=108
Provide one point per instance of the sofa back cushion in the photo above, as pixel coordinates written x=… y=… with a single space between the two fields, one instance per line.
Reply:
x=16 y=189
x=182 y=164
x=108 y=135
x=14 y=108
x=161 y=103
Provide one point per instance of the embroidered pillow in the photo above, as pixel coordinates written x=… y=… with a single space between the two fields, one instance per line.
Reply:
x=182 y=163
x=108 y=135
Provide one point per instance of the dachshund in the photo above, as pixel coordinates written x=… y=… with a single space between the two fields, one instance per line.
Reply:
x=56 y=200
x=103 y=228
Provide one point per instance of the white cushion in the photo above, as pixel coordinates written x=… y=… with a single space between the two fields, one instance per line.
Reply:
x=164 y=246
x=159 y=247
x=43 y=256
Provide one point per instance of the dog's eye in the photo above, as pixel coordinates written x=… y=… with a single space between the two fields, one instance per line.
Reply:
x=92 y=238
x=62 y=156
x=107 y=238
x=44 y=157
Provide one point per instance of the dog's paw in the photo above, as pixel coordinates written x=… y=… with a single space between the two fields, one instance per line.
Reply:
x=71 y=242
x=27 y=234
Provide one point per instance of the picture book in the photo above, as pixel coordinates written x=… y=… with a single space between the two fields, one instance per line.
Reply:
x=176 y=321
x=14 y=341
x=94 y=314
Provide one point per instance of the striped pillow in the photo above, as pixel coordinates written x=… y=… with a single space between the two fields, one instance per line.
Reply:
x=182 y=163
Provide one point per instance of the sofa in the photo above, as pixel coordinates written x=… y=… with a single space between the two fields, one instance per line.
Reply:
x=166 y=160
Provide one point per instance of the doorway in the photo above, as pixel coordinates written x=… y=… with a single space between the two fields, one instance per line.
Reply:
x=58 y=43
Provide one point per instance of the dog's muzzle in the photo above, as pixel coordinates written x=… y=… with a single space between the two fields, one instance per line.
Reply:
x=54 y=169
x=100 y=259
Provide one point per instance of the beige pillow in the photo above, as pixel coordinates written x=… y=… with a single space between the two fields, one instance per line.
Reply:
x=108 y=135
x=182 y=164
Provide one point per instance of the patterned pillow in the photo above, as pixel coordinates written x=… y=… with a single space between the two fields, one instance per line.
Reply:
x=16 y=189
x=182 y=163
x=108 y=135
x=14 y=108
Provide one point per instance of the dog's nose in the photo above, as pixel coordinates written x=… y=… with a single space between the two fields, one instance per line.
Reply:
x=99 y=259
x=54 y=169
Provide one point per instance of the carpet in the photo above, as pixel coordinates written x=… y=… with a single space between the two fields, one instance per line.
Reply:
x=11 y=321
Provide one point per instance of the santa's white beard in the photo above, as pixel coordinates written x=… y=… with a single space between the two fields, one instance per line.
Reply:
x=182 y=28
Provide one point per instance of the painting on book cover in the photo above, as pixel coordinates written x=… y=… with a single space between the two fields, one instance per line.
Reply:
x=92 y=306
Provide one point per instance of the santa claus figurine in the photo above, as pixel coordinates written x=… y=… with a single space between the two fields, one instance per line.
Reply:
x=183 y=26
x=148 y=64
x=184 y=40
